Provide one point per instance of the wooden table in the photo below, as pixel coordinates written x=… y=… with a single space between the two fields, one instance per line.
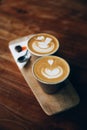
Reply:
x=65 y=19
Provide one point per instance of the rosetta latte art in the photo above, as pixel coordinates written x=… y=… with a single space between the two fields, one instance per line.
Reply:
x=43 y=45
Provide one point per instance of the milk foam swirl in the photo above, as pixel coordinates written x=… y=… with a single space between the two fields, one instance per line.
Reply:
x=54 y=73
x=51 y=69
x=43 y=45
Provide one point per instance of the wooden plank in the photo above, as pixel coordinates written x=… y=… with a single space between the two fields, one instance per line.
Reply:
x=50 y=103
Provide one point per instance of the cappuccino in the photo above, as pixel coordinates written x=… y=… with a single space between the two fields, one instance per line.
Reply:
x=51 y=69
x=43 y=44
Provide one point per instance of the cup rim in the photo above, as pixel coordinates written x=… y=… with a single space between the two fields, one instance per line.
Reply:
x=51 y=83
x=36 y=54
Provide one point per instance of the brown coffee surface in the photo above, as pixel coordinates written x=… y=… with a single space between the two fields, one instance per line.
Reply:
x=43 y=44
x=51 y=69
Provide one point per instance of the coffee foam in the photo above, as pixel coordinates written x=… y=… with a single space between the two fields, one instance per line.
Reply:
x=51 y=74
x=51 y=69
x=42 y=44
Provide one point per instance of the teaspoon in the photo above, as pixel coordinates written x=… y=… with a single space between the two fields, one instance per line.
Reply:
x=24 y=57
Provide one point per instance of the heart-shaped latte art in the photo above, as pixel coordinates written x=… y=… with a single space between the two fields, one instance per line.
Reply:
x=50 y=61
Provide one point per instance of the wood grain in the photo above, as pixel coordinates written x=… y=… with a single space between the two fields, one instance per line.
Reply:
x=52 y=103
x=64 y=19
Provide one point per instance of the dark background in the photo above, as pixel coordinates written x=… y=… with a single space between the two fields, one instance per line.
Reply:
x=65 y=19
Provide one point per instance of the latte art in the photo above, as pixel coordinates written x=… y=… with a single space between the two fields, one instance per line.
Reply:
x=43 y=44
x=51 y=69
x=50 y=62
x=50 y=74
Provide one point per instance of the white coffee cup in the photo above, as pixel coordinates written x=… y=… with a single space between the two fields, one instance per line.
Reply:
x=43 y=44
x=51 y=72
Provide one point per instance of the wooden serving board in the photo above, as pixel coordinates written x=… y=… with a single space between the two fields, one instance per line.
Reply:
x=64 y=99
